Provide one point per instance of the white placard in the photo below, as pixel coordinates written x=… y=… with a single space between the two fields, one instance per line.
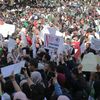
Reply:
x=52 y=41
x=7 y=71
x=7 y=29
x=89 y=62
x=95 y=44
x=34 y=46
x=98 y=59
x=11 y=44
x=49 y=30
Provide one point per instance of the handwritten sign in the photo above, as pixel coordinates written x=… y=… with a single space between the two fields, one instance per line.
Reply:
x=89 y=62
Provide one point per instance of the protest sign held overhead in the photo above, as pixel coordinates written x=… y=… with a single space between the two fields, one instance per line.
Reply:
x=7 y=71
x=7 y=29
x=89 y=63
x=95 y=44
x=11 y=44
x=52 y=41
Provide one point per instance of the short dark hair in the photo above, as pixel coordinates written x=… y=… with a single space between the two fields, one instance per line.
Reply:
x=52 y=65
x=8 y=87
x=34 y=62
x=47 y=57
x=94 y=30
x=89 y=30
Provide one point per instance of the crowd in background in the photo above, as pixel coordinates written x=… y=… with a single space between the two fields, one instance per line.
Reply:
x=45 y=76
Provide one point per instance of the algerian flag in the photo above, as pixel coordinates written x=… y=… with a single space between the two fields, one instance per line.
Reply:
x=25 y=24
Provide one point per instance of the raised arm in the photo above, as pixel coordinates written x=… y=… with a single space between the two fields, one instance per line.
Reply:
x=16 y=86
x=57 y=87
x=30 y=82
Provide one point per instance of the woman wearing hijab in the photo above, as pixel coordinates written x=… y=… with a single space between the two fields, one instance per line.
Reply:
x=20 y=96
x=62 y=97
x=36 y=85
x=36 y=77
x=25 y=88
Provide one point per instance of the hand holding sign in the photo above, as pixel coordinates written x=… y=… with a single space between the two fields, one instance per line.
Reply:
x=1 y=77
x=80 y=68
x=98 y=68
x=7 y=71
x=12 y=76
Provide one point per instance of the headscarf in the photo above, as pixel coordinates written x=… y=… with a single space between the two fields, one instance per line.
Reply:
x=62 y=97
x=22 y=82
x=20 y=95
x=61 y=79
x=36 y=77
x=5 y=96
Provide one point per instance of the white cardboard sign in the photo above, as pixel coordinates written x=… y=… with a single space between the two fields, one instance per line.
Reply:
x=6 y=71
x=52 y=41
x=95 y=44
x=7 y=29
x=89 y=62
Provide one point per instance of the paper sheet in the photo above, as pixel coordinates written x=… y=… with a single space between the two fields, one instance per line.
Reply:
x=11 y=44
x=6 y=71
x=89 y=63
x=7 y=29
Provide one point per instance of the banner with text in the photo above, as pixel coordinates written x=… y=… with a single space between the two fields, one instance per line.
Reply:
x=52 y=41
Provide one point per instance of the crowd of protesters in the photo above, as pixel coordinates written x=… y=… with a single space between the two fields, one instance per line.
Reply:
x=45 y=76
